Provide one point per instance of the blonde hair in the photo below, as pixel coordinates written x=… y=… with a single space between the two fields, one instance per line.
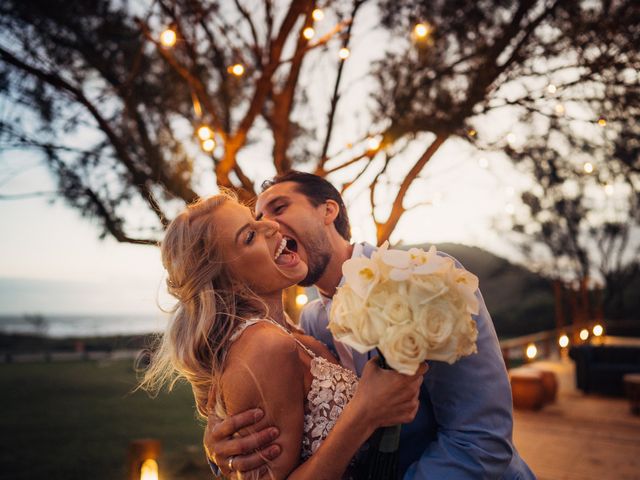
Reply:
x=209 y=308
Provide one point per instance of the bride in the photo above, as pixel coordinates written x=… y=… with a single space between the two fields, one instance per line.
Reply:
x=229 y=332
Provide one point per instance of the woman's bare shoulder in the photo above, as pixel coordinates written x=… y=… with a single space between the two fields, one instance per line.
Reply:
x=261 y=348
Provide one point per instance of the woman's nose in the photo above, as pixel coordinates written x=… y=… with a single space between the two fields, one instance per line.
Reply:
x=269 y=227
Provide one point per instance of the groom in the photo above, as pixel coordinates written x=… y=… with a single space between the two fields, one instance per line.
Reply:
x=464 y=424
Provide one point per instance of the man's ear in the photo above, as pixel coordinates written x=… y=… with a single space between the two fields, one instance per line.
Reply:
x=332 y=210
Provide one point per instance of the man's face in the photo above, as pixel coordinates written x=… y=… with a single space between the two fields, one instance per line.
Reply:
x=301 y=223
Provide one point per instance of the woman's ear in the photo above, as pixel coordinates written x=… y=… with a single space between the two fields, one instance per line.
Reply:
x=332 y=210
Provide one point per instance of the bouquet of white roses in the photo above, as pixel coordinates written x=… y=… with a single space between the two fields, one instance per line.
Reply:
x=412 y=306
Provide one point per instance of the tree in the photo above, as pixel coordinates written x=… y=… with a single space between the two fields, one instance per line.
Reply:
x=580 y=221
x=100 y=72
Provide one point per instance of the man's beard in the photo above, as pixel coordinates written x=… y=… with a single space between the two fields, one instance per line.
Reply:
x=318 y=257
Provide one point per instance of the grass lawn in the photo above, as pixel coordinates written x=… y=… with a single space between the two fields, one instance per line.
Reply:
x=74 y=420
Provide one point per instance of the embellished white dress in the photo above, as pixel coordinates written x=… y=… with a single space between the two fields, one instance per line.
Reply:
x=332 y=387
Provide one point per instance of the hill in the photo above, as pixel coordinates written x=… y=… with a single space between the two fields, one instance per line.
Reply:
x=520 y=302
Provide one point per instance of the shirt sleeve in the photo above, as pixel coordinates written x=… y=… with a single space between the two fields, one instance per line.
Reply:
x=472 y=406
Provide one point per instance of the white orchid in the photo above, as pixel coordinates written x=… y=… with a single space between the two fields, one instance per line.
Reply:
x=361 y=274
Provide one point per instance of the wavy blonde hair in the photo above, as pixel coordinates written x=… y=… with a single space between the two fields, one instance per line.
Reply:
x=210 y=304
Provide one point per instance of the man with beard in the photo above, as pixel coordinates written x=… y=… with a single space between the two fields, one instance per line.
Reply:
x=464 y=425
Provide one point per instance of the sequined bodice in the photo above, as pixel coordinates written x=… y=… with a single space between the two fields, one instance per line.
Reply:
x=332 y=387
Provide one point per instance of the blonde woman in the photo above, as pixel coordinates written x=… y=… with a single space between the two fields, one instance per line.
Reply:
x=229 y=333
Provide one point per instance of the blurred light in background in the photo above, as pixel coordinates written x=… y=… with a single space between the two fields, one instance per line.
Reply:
x=308 y=33
x=344 y=53
x=563 y=341
x=204 y=133
x=301 y=299
x=584 y=334
x=531 y=351
x=149 y=470
x=598 y=330
x=168 y=37
x=317 y=14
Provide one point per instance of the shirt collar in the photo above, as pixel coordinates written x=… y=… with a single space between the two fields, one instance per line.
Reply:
x=358 y=251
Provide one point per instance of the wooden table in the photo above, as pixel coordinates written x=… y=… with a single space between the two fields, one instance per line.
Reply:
x=632 y=387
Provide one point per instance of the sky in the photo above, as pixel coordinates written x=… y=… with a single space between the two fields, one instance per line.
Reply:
x=53 y=261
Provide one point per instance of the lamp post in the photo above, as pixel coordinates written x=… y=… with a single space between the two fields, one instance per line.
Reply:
x=143 y=459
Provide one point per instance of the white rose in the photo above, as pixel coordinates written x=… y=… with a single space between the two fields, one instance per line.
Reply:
x=425 y=288
x=436 y=321
x=387 y=305
x=404 y=348
x=350 y=323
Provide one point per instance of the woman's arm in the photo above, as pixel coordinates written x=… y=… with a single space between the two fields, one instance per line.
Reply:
x=264 y=370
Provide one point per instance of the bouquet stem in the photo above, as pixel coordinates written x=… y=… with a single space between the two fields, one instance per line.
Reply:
x=383 y=452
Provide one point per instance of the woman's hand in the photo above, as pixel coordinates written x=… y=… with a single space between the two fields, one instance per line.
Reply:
x=386 y=397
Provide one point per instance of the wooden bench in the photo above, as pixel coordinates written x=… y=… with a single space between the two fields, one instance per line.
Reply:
x=632 y=387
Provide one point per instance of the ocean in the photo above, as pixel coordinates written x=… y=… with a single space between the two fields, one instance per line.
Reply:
x=59 y=326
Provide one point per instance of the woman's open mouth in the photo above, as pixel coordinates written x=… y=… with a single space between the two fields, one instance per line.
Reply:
x=285 y=255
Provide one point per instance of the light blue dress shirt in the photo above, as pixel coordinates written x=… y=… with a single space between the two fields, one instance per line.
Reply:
x=463 y=429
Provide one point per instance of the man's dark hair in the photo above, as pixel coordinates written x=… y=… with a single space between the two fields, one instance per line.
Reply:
x=317 y=190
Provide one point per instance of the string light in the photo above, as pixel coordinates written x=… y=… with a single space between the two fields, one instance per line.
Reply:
x=588 y=167
x=602 y=122
x=308 y=33
x=551 y=88
x=584 y=334
x=608 y=189
x=531 y=351
x=511 y=137
x=208 y=145
x=598 y=330
x=317 y=14
x=237 y=69
x=559 y=109
x=422 y=30
x=471 y=132
x=563 y=341
x=373 y=143
x=344 y=53
x=168 y=38
x=204 y=133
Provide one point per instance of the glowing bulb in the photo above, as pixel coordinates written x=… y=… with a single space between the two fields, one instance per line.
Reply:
x=237 y=69
x=373 y=143
x=597 y=330
x=563 y=341
x=149 y=470
x=551 y=88
x=301 y=299
x=168 y=37
x=308 y=33
x=608 y=189
x=531 y=352
x=483 y=162
x=208 y=145
x=472 y=132
x=421 y=30
x=317 y=14
x=344 y=53
x=204 y=133
x=560 y=109
x=588 y=167
x=602 y=122
x=511 y=137
x=584 y=334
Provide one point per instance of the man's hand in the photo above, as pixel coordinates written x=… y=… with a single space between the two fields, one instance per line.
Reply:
x=240 y=443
